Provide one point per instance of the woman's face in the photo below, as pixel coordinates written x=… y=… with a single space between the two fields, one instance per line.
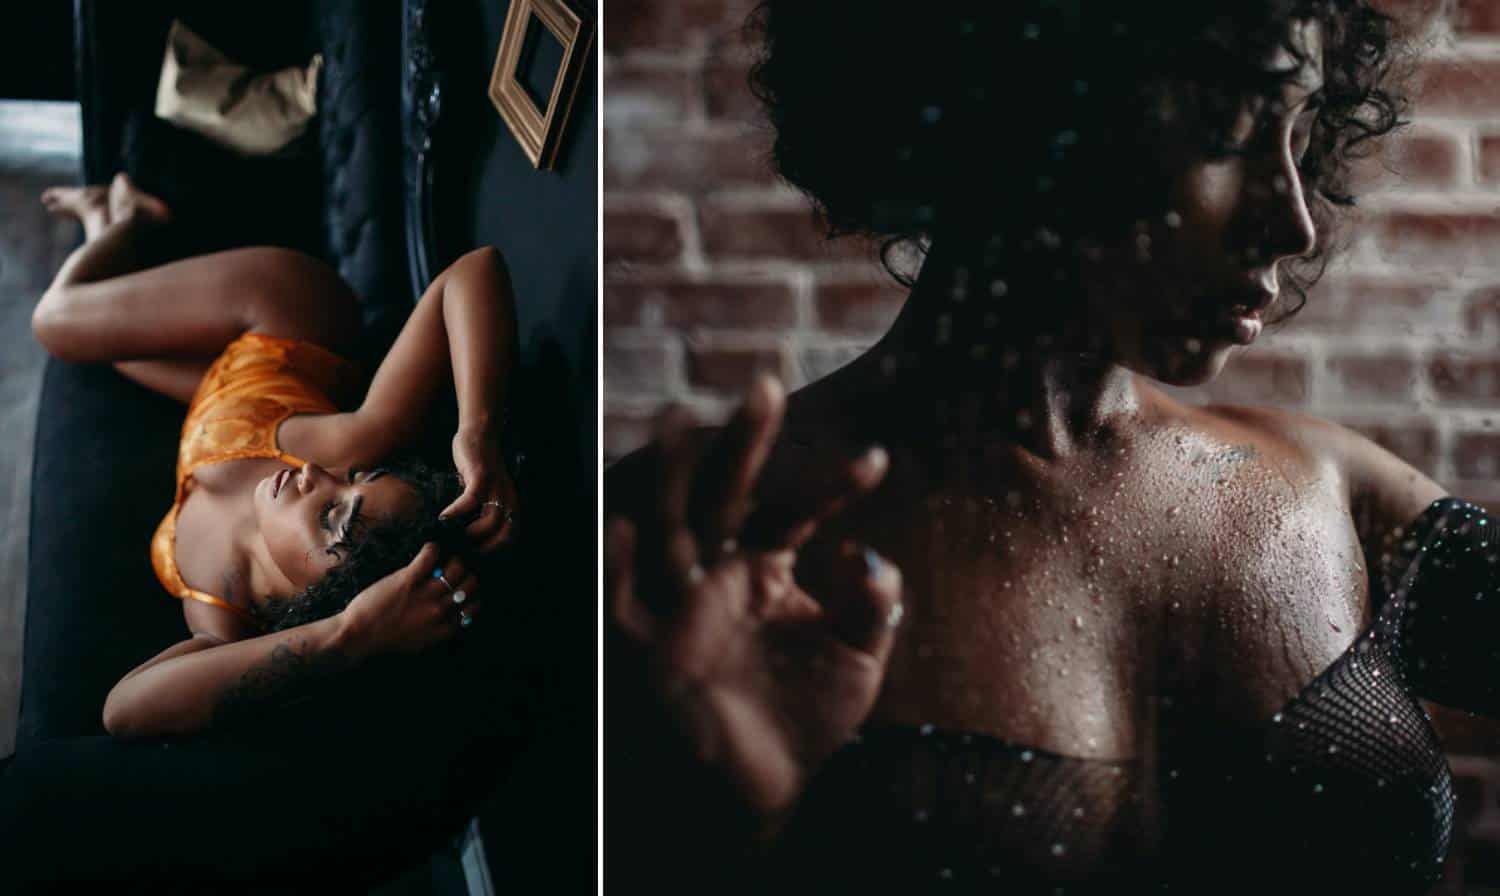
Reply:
x=1176 y=296
x=305 y=513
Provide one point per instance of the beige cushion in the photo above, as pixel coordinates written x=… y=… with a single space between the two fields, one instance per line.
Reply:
x=204 y=91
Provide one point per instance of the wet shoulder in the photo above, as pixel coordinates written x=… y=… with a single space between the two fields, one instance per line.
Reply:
x=1299 y=447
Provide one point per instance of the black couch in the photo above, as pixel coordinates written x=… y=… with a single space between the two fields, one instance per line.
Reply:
x=378 y=773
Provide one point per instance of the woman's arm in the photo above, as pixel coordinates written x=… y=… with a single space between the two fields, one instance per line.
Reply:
x=211 y=679
x=201 y=682
x=464 y=326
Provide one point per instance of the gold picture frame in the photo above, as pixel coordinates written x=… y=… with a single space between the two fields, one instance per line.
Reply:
x=539 y=131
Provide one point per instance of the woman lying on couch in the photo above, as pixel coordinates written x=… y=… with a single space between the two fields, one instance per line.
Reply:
x=300 y=541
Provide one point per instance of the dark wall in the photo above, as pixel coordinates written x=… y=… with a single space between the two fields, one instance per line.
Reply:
x=36 y=52
x=541 y=823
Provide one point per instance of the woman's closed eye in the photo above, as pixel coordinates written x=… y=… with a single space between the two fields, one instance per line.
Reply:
x=352 y=520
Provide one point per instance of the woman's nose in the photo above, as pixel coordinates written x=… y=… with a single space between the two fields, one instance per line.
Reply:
x=308 y=477
x=1283 y=222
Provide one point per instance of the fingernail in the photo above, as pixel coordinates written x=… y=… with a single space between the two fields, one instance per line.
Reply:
x=873 y=564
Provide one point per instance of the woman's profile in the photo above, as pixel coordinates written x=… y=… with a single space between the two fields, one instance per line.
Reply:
x=303 y=538
x=988 y=608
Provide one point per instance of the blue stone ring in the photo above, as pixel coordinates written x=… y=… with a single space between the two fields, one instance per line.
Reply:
x=438 y=574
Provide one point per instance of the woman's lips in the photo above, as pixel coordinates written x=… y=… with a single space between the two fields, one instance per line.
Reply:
x=1239 y=325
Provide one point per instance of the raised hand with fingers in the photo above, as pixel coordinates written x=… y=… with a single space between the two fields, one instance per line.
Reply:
x=764 y=680
x=489 y=492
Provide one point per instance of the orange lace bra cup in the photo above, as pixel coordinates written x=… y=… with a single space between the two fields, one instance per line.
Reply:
x=258 y=382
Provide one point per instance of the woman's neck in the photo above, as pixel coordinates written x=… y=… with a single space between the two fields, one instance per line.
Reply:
x=989 y=359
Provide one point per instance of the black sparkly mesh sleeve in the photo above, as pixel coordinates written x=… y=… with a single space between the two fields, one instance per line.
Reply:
x=1446 y=574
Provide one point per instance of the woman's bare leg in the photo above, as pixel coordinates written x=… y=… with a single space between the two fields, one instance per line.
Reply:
x=97 y=208
x=103 y=306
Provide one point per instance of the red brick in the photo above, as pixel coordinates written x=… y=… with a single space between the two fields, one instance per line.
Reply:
x=1438 y=241
x=729 y=367
x=1462 y=86
x=1373 y=377
x=1465 y=379
x=640 y=158
x=792 y=232
x=640 y=24
x=637 y=366
x=640 y=235
x=647 y=95
x=1426 y=159
x=1415 y=16
x=727 y=94
x=1476 y=455
x=1489 y=158
x=623 y=305
x=1477 y=17
x=859 y=307
x=1261 y=378
x=1482 y=308
x=1415 y=443
x=1411 y=159
x=714 y=303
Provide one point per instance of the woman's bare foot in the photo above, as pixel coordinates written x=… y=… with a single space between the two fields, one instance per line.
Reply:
x=90 y=205
x=127 y=201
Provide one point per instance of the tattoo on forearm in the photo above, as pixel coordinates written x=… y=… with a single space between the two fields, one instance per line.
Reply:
x=286 y=677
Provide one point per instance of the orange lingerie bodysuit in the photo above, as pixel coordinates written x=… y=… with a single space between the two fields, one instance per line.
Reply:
x=257 y=382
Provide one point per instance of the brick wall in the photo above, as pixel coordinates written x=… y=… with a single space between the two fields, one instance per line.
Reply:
x=714 y=270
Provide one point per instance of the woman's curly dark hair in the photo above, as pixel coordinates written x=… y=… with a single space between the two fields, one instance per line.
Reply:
x=375 y=552
x=1026 y=125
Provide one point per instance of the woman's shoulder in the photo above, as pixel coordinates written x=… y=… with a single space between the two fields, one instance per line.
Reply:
x=1383 y=487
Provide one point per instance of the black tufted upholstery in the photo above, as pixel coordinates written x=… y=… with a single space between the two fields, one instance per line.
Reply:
x=102 y=478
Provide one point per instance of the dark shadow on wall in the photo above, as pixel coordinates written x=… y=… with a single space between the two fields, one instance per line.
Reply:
x=545 y=222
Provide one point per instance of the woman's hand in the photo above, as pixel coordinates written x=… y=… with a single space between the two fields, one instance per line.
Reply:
x=411 y=609
x=764 y=681
x=488 y=488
